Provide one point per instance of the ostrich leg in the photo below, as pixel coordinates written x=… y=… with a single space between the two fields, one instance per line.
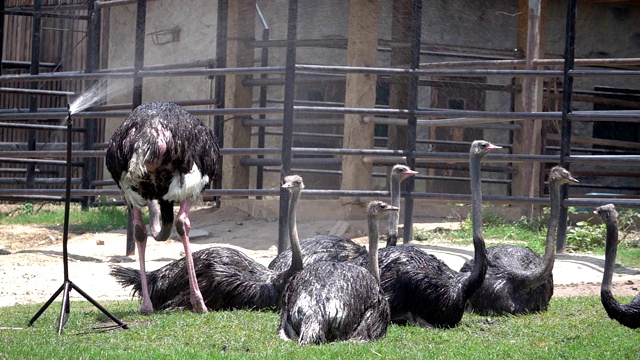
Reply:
x=161 y=219
x=183 y=226
x=140 y=235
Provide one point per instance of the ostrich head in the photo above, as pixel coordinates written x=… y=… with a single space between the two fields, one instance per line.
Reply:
x=401 y=172
x=561 y=176
x=293 y=183
x=608 y=213
x=482 y=147
x=379 y=209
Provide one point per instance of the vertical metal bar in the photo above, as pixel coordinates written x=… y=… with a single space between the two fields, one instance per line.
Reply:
x=1 y=34
x=567 y=92
x=138 y=63
x=221 y=62
x=412 y=122
x=91 y=125
x=287 y=128
x=33 y=99
x=263 y=103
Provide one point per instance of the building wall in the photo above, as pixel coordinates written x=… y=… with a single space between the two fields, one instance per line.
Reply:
x=605 y=30
x=197 y=23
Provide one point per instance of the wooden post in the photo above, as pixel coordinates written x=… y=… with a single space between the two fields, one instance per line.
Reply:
x=527 y=140
x=360 y=91
x=241 y=31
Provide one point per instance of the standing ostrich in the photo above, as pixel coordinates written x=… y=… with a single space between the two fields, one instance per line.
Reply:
x=629 y=314
x=339 y=249
x=518 y=280
x=159 y=156
x=228 y=278
x=398 y=174
x=421 y=289
x=334 y=301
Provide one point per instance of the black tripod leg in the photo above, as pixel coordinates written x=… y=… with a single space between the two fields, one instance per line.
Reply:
x=64 y=311
x=96 y=304
x=46 y=305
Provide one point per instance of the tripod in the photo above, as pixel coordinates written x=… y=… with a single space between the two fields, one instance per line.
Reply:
x=67 y=285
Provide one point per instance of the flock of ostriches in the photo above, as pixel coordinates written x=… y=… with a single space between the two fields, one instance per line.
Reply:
x=327 y=288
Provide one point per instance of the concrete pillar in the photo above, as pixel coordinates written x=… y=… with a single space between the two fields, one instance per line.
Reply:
x=360 y=91
x=527 y=140
x=240 y=53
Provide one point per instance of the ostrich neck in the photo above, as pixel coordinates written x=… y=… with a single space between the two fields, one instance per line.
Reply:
x=394 y=218
x=552 y=231
x=476 y=198
x=614 y=309
x=611 y=250
x=541 y=275
x=373 y=247
x=476 y=277
x=296 y=253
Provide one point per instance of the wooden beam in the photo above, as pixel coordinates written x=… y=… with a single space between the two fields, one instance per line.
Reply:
x=240 y=53
x=360 y=91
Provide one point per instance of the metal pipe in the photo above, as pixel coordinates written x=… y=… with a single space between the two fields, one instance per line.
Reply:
x=288 y=111
x=2 y=62
x=138 y=63
x=45 y=14
x=109 y=3
x=35 y=127
x=34 y=69
x=57 y=76
x=465 y=198
x=412 y=107
x=37 y=161
x=220 y=81
x=36 y=92
x=52 y=153
x=295 y=161
x=620 y=115
x=262 y=97
x=45 y=181
x=91 y=124
x=13 y=146
x=25 y=64
x=567 y=90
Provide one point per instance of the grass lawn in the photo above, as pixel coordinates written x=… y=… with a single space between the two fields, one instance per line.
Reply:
x=573 y=328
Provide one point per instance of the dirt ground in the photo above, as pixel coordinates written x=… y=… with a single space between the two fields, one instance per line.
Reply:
x=31 y=267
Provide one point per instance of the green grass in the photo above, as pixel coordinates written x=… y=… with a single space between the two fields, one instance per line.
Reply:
x=533 y=233
x=572 y=328
x=104 y=218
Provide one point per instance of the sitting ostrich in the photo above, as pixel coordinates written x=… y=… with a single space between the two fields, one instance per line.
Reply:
x=518 y=280
x=228 y=278
x=629 y=314
x=336 y=248
x=334 y=301
x=159 y=156
x=421 y=289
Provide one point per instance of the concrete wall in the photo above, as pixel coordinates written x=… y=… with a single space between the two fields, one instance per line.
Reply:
x=197 y=23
